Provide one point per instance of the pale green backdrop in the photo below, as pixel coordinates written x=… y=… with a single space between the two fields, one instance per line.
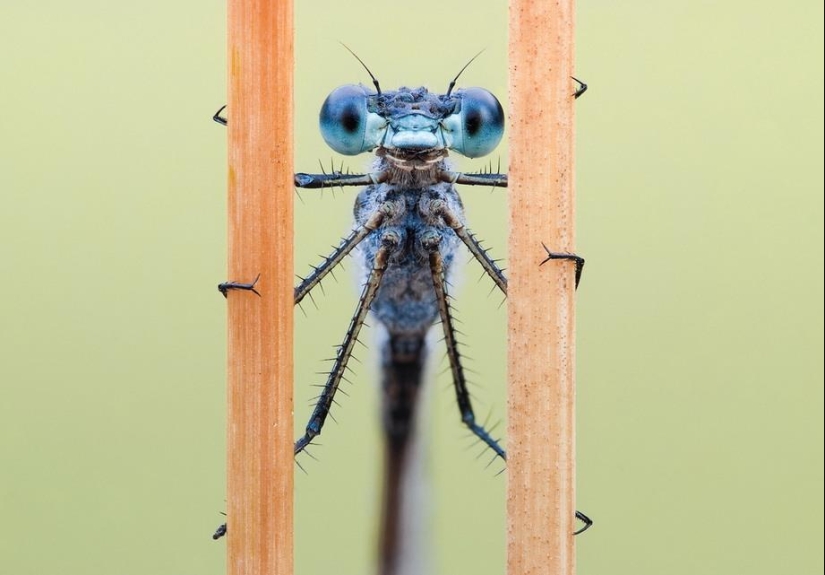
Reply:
x=700 y=212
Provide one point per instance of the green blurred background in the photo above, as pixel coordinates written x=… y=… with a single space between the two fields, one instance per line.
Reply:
x=700 y=207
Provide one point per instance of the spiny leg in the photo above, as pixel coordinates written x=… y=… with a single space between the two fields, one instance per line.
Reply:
x=494 y=180
x=346 y=246
x=565 y=256
x=440 y=208
x=316 y=421
x=436 y=268
x=325 y=267
x=334 y=180
x=319 y=272
x=430 y=241
x=389 y=241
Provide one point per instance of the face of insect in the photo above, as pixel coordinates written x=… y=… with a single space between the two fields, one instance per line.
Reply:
x=411 y=123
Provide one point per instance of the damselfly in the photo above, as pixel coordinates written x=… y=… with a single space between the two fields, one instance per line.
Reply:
x=409 y=227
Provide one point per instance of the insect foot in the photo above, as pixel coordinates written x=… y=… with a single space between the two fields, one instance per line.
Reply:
x=219 y=532
x=579 y=91
x=588 y=523
x=226 y=286
x=218 y=118
x=565 y=256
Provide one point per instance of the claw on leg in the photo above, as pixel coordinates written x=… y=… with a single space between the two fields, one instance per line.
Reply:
x=218 y=118
x=219 y=532
x=588 y=523
x=565 y=256
x=580 y=90
x=225 y=287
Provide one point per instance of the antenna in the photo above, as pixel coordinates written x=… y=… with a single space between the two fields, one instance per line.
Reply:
x=452 y=84
x=374 y=79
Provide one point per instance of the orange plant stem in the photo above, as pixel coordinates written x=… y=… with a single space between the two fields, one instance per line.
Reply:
x=259 y=426
x=541 y=350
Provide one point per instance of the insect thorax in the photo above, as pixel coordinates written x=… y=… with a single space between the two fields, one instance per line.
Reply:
x=405 y=303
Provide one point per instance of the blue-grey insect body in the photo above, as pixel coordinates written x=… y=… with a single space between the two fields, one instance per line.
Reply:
x=409 y=225
x=414 y=222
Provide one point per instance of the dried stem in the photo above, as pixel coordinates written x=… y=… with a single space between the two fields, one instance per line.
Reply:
x=541 y=352
x=260 y=373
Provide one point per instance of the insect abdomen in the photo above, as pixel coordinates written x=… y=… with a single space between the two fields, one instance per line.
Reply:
x=402 y=368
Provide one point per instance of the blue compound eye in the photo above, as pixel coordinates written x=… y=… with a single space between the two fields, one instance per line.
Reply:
x=346 y=125
x=478 y=126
